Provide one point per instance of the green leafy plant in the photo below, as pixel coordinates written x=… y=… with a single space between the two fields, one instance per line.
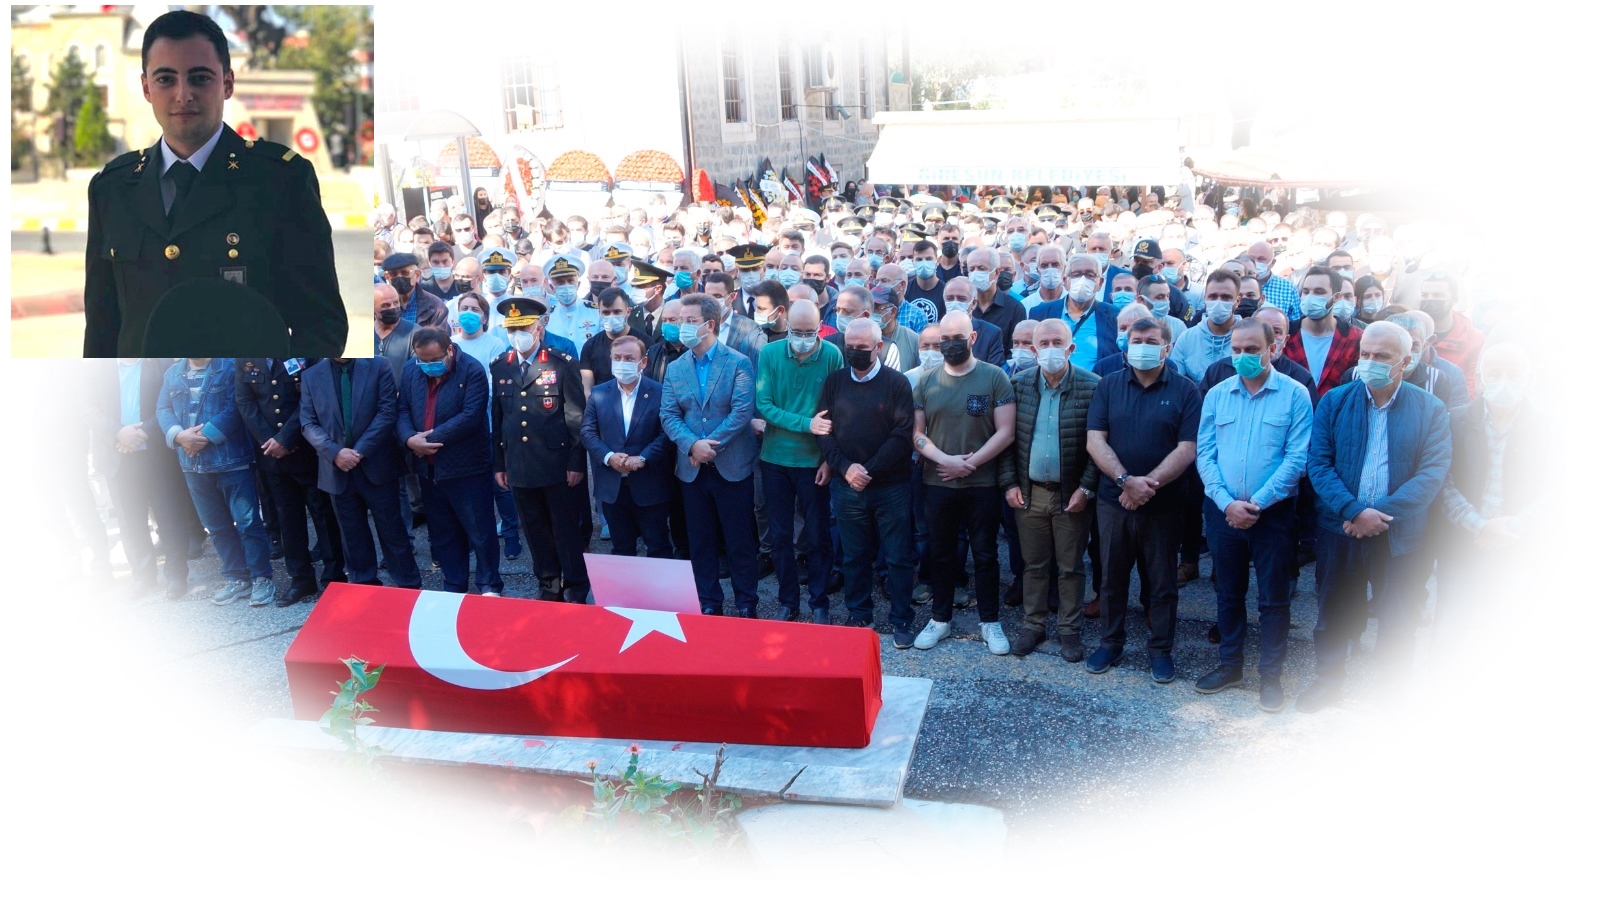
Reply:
x=641 y=804
x=349 y=711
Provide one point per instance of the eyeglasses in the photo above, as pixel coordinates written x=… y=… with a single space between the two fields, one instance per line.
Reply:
x=803 y=335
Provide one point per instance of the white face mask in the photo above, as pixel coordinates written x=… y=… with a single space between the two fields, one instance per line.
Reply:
x=521 y=341
x=626 y=372
x=1053 y=359
x=1503 y=394
x=930 y=358
x=1082 y=290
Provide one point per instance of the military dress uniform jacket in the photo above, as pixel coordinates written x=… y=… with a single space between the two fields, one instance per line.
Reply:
x=536 y=418
x=268 y=397
x=254 y=215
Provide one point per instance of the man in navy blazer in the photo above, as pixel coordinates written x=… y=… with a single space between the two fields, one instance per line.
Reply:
x=1096 y=337
x=631 y=455
x=441 y=420
x=707 y=402
x=347 y=414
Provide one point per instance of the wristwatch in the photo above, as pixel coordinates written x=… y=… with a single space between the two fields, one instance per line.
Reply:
x=1086 y=492
x=1122 y=479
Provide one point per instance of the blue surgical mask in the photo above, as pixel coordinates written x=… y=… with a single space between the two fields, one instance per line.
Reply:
x=669 y=332
x=432 y=369
x=1375 y=374
x=1263 y=270
x=877 y=319
x=566 y=294
x=613 y=324
x=855 y=282
x=440 y=272
x=471 y=322
x=496 y=282
x=1122 y=341
x=1162 y=308
x=684 y=280
x=875 y=260
x=1248 y=365
x=1219 y=311
x=956 y=306
x=1120 y=299
x=748 y=280
x=981 y=281
x=1016 y=240
x=1144 y=356
x=1105 y=260
x=788 y=277
x=923 y=268
x=840 y=264
x=802 y=345
x=1051 y=278
x=1344 y=309
x=1170 y=274
x=1314 y=307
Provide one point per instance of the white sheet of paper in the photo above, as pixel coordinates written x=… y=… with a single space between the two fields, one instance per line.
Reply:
x=639 y=582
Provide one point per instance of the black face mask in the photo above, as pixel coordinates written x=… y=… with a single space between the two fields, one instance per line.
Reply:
x=956 y=350
x=1004 y=280
x=1246 y=308
x=1142 y=270
x=950 y=248
x=402 y=286
x=860 y=360
x=820 y=287
x=389 y=316
x=463 y=285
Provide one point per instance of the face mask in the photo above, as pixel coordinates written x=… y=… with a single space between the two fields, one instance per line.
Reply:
x=840 y=265
x=1262 y=271
x=1375 y=374
x=1033 y=272
x=1122 y=341
x=875 y=260
x=950 y=248
x=1162 y=308
x=389 y=316
x=1343 y=309
x=684 y=280
x=930 y=358
x=669 y=332
x=1144 y=356
x=522 y=342
x=377 y=269
x=923 y=268
x=1248 y=365
x=1371 y=307
x=471 y=322
x=1082 y=290
x=402 y=286
x=1121 y=299
x=1438 y=310
x=1346 y=273
x=748 y=280
x=858 y=359
x=855 y=282
x=1051 y=278
x=820 y=287
x=788 y=278
x=1105 y=260
x=1142 y=271
x=1413 y=362
x=1022 y=357
x=1503 y=394
x=1314 y=307
x=981 y=280
x=566 y=294
x=462 y=285
x=1053 y=359
x=626 y=372
x=802 y=345
x=1016 y=241
x=1004 y=281
x=432 y=369
x=496 y=283
x=613 y=324
x=955 y=350
x=956 y=306
x=440 y=272
x=1170 y=274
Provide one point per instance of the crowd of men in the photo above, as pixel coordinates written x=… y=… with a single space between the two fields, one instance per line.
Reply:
x=860 y=401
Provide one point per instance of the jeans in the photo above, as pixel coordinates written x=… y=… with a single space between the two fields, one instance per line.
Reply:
x=1048 y=532
x=979 y=509
x=1345 y=566
x=1150 y=539
x=1269 y=543
x=228 y=507
x=869 y=520
x=788 y=489
x=715 y=503
x=461 y=523
x=360 y=497
x=505 y=506
x=630 y=521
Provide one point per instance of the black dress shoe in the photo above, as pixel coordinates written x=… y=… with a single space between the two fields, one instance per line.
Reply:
x=1014 y=594
x=1271 y=695
x=277 y=551
x=835 y=581
x=749 y=613
x=291 y=596
x=711 y=610
x=1218 y=679
x=1027 y=641
x=764 y=565
x=1321 y=694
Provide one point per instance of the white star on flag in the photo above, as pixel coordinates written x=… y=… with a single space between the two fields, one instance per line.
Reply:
x=647 y=621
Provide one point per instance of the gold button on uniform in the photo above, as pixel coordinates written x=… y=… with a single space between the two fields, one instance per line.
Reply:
x=233 y=254
x=113 y=252
x=172 y=251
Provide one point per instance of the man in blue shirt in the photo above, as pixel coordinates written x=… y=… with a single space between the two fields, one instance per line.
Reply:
x=1255 y=428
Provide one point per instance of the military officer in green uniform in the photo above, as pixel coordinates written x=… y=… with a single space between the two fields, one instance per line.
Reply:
x=205 y=204
x=536 y=409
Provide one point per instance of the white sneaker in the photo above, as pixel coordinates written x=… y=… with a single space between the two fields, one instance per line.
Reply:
x=995 y=636
x=932 y=634
x=488 y=593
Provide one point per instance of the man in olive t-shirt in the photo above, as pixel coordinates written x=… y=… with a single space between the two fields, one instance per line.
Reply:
x=964 y=416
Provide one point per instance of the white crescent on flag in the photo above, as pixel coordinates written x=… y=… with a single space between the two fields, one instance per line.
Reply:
x=436 y=645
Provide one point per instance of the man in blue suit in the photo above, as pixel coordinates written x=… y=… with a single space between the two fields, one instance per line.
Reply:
x=440 y=420
x=347 y=414
x=631 y=454
x=1093 y=323
x=707 y=402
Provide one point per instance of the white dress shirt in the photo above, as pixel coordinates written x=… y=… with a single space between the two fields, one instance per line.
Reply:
x=628 y=397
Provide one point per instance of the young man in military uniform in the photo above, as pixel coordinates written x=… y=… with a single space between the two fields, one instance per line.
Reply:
x=750 y=259
x=205 y=204
x=536 y=412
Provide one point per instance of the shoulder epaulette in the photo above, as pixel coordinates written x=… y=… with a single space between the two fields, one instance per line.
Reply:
x=126 y=159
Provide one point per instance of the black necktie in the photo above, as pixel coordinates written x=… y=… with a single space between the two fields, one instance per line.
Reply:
x=183 y=175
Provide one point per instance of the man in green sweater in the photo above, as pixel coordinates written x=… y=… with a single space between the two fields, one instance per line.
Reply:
x=789 y=377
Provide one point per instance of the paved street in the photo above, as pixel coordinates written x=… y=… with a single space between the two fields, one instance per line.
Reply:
x=44 y=287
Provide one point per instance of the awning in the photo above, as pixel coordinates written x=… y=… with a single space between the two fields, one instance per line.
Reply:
x=1005 y=148
x=1373 y=164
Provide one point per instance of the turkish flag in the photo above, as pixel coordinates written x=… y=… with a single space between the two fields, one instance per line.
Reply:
x=486 y=664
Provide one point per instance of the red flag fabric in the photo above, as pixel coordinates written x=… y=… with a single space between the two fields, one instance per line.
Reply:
x=496 y=665
x=703 y=191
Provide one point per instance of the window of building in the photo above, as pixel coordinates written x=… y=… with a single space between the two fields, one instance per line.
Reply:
x=400 y=86
x=732 y=84
x=786 y=107
x=863 y=82
x=102 y=57
x=532 y=94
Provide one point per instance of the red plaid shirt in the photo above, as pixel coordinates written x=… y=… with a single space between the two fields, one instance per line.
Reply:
x=1343 y=354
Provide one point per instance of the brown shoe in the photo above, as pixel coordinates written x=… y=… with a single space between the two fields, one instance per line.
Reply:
x=1027 y=641
x=1092 y=610
x=1071 y=647
x=1188 y=571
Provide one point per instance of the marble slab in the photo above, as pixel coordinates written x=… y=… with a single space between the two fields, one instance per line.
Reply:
x=965 y=839
x=871 y=776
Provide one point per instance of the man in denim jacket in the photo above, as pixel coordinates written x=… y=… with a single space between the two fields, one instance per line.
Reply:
x=197 y=414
